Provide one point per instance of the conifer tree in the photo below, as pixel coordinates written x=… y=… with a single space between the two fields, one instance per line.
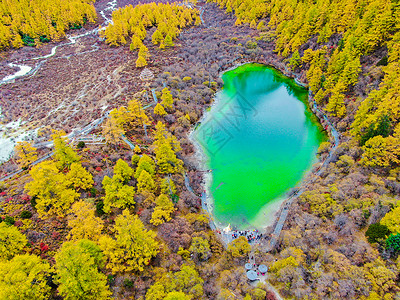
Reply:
x=133 y=246
x=159 y=110
x=26 y=154
x=166 y=98
x=24 y=277
x=141 y=61
x=163 y=210
x=11 y=241
x=78 y=275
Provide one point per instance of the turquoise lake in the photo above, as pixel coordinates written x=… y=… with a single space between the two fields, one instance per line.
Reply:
x=259 y=140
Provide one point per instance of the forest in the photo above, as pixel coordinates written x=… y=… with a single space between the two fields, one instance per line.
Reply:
x=29 y=23
x=117 y=220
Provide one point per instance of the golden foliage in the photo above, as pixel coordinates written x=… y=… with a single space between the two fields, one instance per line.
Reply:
x=133 y=246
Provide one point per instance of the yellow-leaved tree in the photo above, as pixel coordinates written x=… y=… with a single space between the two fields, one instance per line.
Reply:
x=159 y=110
x=63 y=153
x=83 y=222
x=78 y=178
x=78 y=275
x=136 y=117
x=112 y=131
x=186 y=282
x=381 y=151
x=166 y=98
x=51 y=189
x=165 y=147
x=26 y=154
x=118 y=193
x=163 y=210
x=24 y=277
x=239 y=247
x=11 y=241
x=145 y=182
x=145 y=163
x=132 y=247
x=392 y=220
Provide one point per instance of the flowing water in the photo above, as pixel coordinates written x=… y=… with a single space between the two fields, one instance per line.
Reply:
x=12 y=132
x=259 y=140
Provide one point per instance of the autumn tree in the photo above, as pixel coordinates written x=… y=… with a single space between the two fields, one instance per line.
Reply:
x=11 y=241
x=382 y=152
x=145 y=163
x=165 y=147
x=186 y=280
x=200 y=247
x=51 y=189
x=78 y=178
x=136 y=118
x=26 y=154
x=392 y=220
x=122 y=171
x=177 y=296
x=141 y=61
x=166 y=98
x=136 y=43
x=41 y=21
x=381 y=278
x=168 y=186
x=78 y=275
x=168 y=41
x=133 y=246
x=113 y=131
x=83 y=222
x=24 y=277
x=117 y=192
x=239 y=247
x=159 y=110
x=63 y=153
x=145 y=182
x=163 y=210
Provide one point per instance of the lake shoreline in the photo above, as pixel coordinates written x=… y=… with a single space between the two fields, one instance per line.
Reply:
x=268 y=215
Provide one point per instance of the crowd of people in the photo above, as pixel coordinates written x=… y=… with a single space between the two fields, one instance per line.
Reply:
x=251 y=235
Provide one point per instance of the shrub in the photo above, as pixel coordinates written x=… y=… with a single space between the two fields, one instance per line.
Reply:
x=376 y=232
x=26 y=214
x=251 y=45
x=99 y=208
x=393 y=242
x=383 y=61
x=33 y=202
x=9 y=220
x=128 y=283
x=81 y=145
x=93 y=191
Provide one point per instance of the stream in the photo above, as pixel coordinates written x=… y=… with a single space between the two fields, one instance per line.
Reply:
x=12 y=132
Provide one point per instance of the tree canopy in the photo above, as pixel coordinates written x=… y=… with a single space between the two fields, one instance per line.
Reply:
x=31 y=22
x=11 y=241
x=24 y=277
x=77 y=266
x=133 y=246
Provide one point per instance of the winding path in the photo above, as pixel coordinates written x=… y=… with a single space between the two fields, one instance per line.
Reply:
x=287 y=204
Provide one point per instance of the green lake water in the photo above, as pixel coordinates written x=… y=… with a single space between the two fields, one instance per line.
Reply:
x=259 y=140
